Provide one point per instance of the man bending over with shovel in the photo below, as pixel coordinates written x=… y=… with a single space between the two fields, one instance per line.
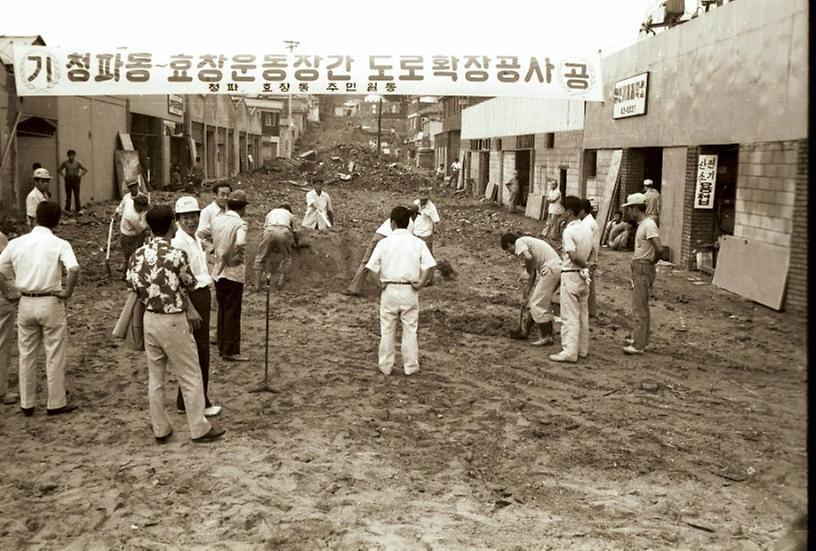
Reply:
x=279 y=237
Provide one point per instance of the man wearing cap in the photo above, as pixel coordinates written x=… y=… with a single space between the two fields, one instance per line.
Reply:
x=41 y=321
x=652 y=201
x=279 y=237
x=38 y=194
x=187 y=214
x=355 y=288
x=647 y=252
x=577 y=247
x=229 y=235
x=132 y=227
x=161 y=277
x=319 y=214
x=404 y=265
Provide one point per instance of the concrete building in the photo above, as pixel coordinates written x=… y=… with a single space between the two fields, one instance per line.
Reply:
x=270 y=110
x=539 y=138
x=448 y=142
x=423 y=117
x=731 y=83
x=156 y=128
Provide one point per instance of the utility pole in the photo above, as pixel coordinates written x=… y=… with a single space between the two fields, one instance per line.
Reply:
x=379 y=125
x=291 y=45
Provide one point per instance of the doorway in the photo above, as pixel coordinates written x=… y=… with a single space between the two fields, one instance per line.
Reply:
x=523 y=167
x=725 y=190
x=653 y=166
x=484 y=171
x=562 y=181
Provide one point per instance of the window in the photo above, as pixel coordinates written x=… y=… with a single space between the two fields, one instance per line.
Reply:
x=591 y=164
x=549 y=140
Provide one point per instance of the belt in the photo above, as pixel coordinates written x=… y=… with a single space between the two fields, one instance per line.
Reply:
x=395 y=282
x=278 y=226
x=164 y=313
x=569 y=271
x=38 y=294
x=642 y=260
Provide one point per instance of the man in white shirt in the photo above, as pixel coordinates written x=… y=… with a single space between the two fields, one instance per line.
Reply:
x=38 y=194
x=647 y=253
x=133 y=226
x=217 y=208
x=588 y=219
x=652 y=201
x=187 y=218
x=455 y=168
x=319 y=214
x=404 y=265
x=426 y=219
x=279 y=237
x=41 y=321
x=355 y=288
x=552 y=228
x=229 y=234
x=7 y=310
x=577 y=248
x=544 y=270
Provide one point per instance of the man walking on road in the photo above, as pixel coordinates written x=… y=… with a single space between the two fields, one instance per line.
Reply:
x=41 y=321
x=544 y=271
x=404 y=265
x=72 y=172
x=552 y=229
x=161 y=277
x=577 y=247
x=279 y=237
x=38 y=194
x=319 y=214
x=132 y=227
x=229 y=234
x=647 y=252
x=652 y=201
x=187 y=215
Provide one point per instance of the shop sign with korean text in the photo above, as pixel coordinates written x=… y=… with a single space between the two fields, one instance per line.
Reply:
x=175 y=104
x=706 y=182
x=629 y=96
x=46 y=71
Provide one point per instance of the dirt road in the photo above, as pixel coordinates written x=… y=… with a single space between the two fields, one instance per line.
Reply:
x=698 y=444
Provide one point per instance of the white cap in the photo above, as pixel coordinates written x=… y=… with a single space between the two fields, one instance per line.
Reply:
x=42 y=173
x=635 y=199
x=187 y=204
x=648 y=183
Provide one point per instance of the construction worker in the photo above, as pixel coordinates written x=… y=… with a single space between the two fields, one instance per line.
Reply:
x=132 y=227
x=544 y=270
x=404 y=265
x=319 y=214
x=647 y=253
x=588 y=219
x=652 y=200
x=552 y=228
x=577 y=248
x=279 y=237
x=41 y=321
x=38 y=194
x=72 y=172
x=355 y=288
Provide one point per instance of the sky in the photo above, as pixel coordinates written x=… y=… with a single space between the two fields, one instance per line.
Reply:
x=489 y=27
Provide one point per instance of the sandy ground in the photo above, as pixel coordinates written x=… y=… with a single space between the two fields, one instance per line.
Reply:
x=699 y=444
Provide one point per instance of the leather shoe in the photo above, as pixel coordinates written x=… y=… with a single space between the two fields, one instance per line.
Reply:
x=212 y=434
x=235 y=358
x=10 y=399
x=59 y=411
x=165 y=438
x=212 y=411
x=28 y=412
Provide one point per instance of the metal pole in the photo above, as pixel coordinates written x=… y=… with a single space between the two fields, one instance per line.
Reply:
x=379 y=125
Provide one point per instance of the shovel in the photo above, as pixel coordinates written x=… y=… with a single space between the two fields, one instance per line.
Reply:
x=107 y=252
x=264 y=387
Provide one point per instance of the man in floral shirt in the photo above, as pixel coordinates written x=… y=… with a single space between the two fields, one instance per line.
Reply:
x=161 y=276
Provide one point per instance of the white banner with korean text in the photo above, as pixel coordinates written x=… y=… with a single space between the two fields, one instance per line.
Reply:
x=706 y=182
x=46 y=71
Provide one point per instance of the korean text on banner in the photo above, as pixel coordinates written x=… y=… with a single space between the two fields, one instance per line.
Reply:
x=46 y=71
x=706 y=180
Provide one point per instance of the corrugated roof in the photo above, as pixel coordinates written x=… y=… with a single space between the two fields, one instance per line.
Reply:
x=7 y=42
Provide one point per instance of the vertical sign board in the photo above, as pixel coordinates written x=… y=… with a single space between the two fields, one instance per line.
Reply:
x=175 y=105
x=630 y=96
x=706 y=180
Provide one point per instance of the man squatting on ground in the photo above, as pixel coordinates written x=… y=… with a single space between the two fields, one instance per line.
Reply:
x=647 y=253
x=544 y=269
x=187 y=217
x=577 y=247
x=41 y=321
x=404 y=265
x=355 y=288
x=279 y=236
x=161 y=277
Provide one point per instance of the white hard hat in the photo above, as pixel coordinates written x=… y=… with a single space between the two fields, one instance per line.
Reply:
x=187 y=204
x=42 y=173
x=635 y=199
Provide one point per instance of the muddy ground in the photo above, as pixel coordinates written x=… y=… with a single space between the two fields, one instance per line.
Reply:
x=699 y=444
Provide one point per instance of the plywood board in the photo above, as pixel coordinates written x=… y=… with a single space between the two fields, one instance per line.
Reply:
x=610 y=187
x=490 y=192
x=535 y=205
x=127 y=143
x=127 y=167
x=754 y=270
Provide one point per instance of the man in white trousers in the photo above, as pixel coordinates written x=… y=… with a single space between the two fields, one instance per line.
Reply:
x=404 y=265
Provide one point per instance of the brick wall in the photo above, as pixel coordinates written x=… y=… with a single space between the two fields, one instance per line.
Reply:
x=595 y=187
x=766 y=187
x=496 y=169
x=698 y=224
x=566 y=152
x=796 y=298
x=633 y=164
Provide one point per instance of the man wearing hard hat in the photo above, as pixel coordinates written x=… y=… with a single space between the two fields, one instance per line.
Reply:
x=38 y=194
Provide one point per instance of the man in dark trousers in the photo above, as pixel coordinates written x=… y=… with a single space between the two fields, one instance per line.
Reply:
x=72 y=172
x=229 y=236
